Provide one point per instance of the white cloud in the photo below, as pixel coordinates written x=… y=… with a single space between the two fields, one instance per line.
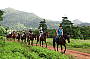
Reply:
x=52 y=9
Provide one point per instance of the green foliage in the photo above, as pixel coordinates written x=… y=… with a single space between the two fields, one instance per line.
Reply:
x=43 y=25
x=2 y=30
x=79 y=43
x=76 y=32
x=85 y=32
x=48 y=54
x=15 y=50
x=36 y=32
x=67 y=25
x=52 y=32
x=1 y=13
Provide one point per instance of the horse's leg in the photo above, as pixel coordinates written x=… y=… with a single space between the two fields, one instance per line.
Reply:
x=61 y=47
x=18 y=39
x=65 y=48
x=29 y=42
x=24 y=40
x=40 y=42
x=45 y=43
x=14 y=39
x=54 y=44
x=57 y=47
x=32 y=42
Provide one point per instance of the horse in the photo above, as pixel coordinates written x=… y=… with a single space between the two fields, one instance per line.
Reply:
x=9 y=36
x=23 y=37
x=61 y=42
x=13 y=36
x=42 y=38
x=34 y=36
x=30 y=37
x=18 y=36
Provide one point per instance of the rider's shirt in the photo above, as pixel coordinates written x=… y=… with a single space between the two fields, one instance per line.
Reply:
x=60 y=32
x=41 y=31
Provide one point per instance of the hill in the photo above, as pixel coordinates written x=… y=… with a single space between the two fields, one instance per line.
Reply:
x=20 y=20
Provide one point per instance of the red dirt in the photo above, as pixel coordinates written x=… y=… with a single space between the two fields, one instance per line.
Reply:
x=77 y=54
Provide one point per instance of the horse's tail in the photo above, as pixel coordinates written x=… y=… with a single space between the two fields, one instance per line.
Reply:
x=54 y=42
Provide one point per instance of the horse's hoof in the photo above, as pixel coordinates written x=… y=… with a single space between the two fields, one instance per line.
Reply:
x=62 y=52
x=55 y=49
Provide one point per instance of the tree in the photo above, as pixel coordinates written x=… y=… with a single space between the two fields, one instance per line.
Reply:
x=43 y=25
x=67 y=25
x=85 y=32
x=2 y=30
x=76 y=32
x=1 y=13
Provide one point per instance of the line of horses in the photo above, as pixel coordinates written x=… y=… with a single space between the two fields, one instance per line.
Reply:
x=27 y=37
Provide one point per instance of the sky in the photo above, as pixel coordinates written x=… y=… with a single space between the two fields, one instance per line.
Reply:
x=52 y=9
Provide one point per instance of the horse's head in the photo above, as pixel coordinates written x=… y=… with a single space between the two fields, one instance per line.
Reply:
x=66 y=37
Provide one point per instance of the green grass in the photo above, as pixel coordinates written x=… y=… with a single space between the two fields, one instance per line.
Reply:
x=15 y=50
x=79 y=43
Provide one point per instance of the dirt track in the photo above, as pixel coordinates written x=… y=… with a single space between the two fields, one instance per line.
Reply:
x=77 y=54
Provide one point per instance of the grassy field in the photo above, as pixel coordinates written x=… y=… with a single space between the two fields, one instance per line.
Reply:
x=75 y=44
x=15 y=50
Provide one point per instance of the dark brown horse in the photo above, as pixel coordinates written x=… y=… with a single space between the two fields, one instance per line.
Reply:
x=30 y=37
x=14 y=36
x=18 y=36
x=35 y=36
x=42 y=38
x=23 y=37
x=9 y=36
x=61 y=41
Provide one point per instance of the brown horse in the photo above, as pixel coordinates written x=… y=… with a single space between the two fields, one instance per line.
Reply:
x=23 y=37
x=9 y=36
x=13 y=36
x=61 y=42
x=30 y=37
x=18 y=36
x=42 y=38
x=35 y=36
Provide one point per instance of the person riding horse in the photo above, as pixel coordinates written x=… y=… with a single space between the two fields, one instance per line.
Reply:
x=60 y=32
x=60 y=39
x=42 y=37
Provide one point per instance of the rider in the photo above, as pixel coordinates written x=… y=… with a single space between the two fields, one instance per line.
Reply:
x=60 y=31
x=30 y=31
x=41 y=31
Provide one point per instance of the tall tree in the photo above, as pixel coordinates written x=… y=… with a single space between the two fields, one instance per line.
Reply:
x=43 y=25
x=67 y=25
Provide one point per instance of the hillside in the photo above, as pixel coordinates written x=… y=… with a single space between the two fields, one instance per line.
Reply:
x=20 y=20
